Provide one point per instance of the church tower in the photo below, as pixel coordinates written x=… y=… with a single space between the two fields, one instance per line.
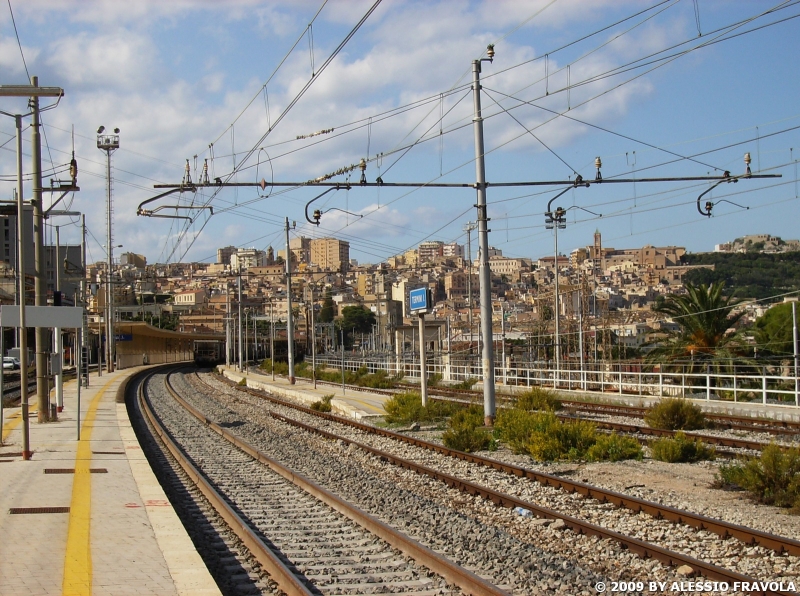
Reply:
x=597 y=253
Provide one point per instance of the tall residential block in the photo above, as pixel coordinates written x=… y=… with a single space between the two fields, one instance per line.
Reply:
x=330 y=254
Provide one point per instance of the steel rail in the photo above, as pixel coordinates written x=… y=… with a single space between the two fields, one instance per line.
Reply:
x=723 y=529
x=620 y=426
x=776 y=427
x=277 y=570
x=469 y=582
x=641 y=548
x=660 y=432
x=640 y=429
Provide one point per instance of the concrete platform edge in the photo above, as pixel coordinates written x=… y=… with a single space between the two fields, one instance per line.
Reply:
x=188 y=571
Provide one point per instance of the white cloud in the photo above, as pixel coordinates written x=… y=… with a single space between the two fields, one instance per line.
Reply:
x=122 y=59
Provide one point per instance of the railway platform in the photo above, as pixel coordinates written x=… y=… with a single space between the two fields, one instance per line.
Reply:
x=347 y=402
x=88 y=516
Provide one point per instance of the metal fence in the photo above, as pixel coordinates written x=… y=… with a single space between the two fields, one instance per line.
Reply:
x=603 y=378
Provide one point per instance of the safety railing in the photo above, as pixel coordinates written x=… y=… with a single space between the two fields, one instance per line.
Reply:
x=623 y=379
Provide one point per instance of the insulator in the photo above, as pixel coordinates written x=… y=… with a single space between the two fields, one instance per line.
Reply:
x=73 y=170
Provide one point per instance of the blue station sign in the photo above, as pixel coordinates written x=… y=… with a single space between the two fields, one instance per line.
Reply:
x=419 y=300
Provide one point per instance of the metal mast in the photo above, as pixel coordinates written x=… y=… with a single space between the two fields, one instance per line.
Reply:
x=485 y=274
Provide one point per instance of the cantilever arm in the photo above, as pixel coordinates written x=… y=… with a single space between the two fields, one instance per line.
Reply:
x=140 y=211
x=549 y=210
x=705 y=192
x=319 y=196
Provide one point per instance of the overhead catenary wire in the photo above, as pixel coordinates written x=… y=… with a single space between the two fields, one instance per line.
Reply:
x=291 y=104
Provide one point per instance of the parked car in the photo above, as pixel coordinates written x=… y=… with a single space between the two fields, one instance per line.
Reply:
x=10 y=363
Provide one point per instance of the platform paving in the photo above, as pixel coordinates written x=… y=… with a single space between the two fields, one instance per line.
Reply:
x=347 y=402
x=120 y=536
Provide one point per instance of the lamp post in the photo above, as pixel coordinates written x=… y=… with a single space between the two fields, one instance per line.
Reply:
x=553 y=221
x=109 y=143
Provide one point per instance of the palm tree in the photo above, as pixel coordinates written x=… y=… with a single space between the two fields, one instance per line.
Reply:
x=704 y=317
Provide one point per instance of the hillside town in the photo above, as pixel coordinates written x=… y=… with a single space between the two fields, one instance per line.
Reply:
x=606 y=294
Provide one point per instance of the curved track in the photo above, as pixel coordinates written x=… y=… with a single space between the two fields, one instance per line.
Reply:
x=721 y=528
x=309 y=540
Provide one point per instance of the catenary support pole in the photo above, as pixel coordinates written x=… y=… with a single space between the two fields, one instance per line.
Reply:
x=313 y=341
x=289 y=317
x=59 y=378
x=343 y=389
x=227 y=326
x=40 y=287
x=2 y=381
x=22 y=332
x=239 y=323
x=484 y=272
x=272 y=337
x=423 y=372
x=794 y=346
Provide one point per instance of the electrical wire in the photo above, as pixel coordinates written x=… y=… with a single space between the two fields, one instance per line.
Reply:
x=286 y=110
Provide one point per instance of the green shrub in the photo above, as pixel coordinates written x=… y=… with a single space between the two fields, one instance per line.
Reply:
x=614 y=447
x=464 y=432
x=242 y=382
x=537 y=398
x=675 y=413
x=434 y=379
x=681 y=449
x=573 y=439
x=466 y=383
x=773 y=478
x=323 y=405
x=281 y=368
x=405 y=408
x=515 y=427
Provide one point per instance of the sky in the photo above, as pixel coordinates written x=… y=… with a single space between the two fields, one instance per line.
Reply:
x=662 y=89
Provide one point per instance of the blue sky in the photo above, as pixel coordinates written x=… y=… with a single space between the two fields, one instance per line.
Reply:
x=187 y=78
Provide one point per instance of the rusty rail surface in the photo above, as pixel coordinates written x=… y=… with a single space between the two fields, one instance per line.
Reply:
x=641 y=548
x=767 y=425
x=724 y=529
x=283 y=576
x=469 y=582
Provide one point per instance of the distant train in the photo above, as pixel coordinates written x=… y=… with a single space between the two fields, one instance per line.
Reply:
x=208 y=352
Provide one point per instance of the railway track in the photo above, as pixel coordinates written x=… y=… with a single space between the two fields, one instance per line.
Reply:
x=722 y=421
x=745 y=536
x=641 y=431
x=309 y=540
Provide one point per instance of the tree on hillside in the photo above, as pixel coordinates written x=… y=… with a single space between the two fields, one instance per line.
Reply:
x=326 y=312
x=705 y=317
x=773 y=331
x=355 y=319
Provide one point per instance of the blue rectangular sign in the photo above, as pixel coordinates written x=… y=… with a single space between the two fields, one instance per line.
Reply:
x=418 y=300
x=123 y=337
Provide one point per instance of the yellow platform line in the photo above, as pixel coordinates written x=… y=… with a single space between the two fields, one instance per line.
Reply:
x=78 y=557
x=13 y=422
x=363 y=403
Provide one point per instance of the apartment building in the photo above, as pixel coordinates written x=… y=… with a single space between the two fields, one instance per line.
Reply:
x=330 y=254
x=430 y=250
